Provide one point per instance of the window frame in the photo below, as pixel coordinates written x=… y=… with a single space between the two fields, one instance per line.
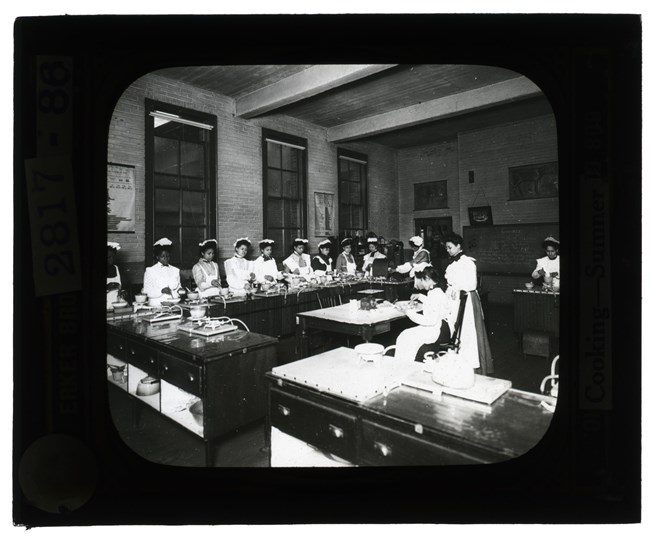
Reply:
x=302 y=182
x=342 y=154
x=211 y=168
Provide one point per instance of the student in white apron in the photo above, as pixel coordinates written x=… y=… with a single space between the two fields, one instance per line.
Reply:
x=345 y=262
x=239 y=270
x=548 y=266
x=298 y=263
x=206 y=271
x=368 y=259
x=321 y=264
x=113 y=279
x=162 y=279
x=265 y=267
x=421 y=257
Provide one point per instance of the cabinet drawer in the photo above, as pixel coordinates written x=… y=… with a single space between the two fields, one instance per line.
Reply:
x=116 y=346
x=321 y=427
x=383 y=446
x=143 y=357
x=187 y=376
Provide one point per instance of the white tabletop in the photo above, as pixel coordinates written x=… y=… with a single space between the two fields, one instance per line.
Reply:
x=351 y=314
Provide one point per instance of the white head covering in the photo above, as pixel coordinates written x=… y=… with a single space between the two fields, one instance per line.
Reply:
x=416 y=241
x=265 y=243
x=113 y=245
x=324 y=243
x=163 y=242
x=242 y=239
x=373 y=240
x=552 y=240
x=201 y=244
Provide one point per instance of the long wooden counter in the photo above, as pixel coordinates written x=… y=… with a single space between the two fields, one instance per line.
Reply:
x=225 y=372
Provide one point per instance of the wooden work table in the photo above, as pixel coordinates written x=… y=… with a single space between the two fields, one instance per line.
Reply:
x=226 y=372
x=401 y=426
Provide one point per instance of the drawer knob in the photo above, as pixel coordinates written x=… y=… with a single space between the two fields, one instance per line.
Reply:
x=384 y=449
x=151 y=360
x=191 y=377
x=121 y=347
x=132 y=351
x=166 y=367
x=284 y=410
x=336 y=431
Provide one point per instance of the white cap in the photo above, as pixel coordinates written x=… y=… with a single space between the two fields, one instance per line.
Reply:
x=240 y=239
x=163 y=242
x=113 y=245
x=416 y=240
x=201 y=244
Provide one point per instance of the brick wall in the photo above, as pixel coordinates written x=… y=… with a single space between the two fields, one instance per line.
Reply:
x=239 y=168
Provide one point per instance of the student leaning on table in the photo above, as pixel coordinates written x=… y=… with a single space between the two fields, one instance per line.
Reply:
x=161 y=279
x=374 y=253
x=298 y=263
x=345 y=262
x=432 y=323
x=420 y=257
x=264 y=266
x=461 y=285
x=239 y=270
x=206 y=271
x=550 y=265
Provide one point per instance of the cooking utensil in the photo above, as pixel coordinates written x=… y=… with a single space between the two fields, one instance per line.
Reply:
x=140 y=298
x=192 y=295
x=529 y=285
x=148 y=386
x=198 y=311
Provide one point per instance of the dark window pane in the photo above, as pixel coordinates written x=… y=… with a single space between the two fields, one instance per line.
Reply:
x=273 y=154
x=167 y=207
x=194 y=210
x=274 y=213
x=290 y=158
x=195 y=134
x=274 y=183
x=192 y=159
x=278 y=247
x=354 y=193
x=355 y=214
x=166 y=181
x=191 y=236
x=196 y=185
x=165 y=155
x=344 y=192
x=291 y=213
x=344 y=169
x=290 y=185
x=355 y=172
x=344 y=217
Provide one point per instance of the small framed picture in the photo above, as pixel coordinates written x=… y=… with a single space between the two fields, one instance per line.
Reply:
x=480 y=215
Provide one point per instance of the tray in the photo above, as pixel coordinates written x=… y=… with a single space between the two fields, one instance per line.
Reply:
x=192 y=329
x=486 y=390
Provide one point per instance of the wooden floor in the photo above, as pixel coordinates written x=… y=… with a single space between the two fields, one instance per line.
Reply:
x=163 y=442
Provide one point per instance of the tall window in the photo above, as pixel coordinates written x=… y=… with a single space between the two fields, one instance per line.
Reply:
x=180 y=179
x=285 y=186
x=353 y=192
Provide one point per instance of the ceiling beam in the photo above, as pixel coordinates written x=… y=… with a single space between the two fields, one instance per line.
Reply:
x=442 y=108
x=302 y=85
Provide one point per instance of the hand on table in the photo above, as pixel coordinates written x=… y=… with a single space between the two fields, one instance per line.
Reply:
x=166 y=290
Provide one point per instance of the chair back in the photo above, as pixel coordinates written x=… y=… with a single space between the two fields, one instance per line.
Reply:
x=331 y=300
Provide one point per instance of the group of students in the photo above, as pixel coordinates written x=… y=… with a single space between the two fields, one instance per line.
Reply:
x=436 y=323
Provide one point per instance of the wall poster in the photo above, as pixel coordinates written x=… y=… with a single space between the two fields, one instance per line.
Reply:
x=120 y=203
x=428 y=195
x=324 y=211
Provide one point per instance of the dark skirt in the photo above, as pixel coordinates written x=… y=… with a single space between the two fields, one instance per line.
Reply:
x=484 y=352
x=443 y=338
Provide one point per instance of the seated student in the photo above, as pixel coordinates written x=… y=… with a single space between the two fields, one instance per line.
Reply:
x=432 y=322
x=264 y=266
x=239 y=270
x=206 y=271
x=421 y=257
x=321 y=264
x=345 y=262
x=162 y=278
x=113 y=279
x=373 y=254
x=298 y=263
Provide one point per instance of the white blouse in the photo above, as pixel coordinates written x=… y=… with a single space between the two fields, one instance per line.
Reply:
x=549 y=266
x=369 y=258
x=157 y=277
x=204 y=273
x=293 y=262
x=461 y=274
x=435 y=308
x=238 y=272
x=263 y=268
x=111 y=295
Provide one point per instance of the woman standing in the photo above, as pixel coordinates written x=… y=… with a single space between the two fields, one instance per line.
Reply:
x=549 y=266
x=298 y=263
x=113 y=279
x=321 y=264
x=239 y=270
x=432 y=322
x=161 y=278
x=421 y=257
x=345 y=262
x=374 y=253
x=206 y=271
x=461 y=289
x=264 y=266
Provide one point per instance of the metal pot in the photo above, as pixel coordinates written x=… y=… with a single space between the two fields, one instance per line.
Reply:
x=148 y=386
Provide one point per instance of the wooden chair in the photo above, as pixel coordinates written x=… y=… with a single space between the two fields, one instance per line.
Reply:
x=328 y=301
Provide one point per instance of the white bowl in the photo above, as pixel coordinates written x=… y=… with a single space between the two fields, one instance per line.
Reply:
x=198 y=311
x=173 y=301
x=119 y=304
x=140 y=298
x=192 y=295
x=529 y=286
x=369 y=351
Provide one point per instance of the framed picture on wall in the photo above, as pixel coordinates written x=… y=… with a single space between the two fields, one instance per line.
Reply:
x=480 y=215
x=533 y=181
x=429 y=195
x=324 y=213
x=120 y=202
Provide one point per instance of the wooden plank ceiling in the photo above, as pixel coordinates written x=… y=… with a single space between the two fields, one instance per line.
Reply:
x=395 y=105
